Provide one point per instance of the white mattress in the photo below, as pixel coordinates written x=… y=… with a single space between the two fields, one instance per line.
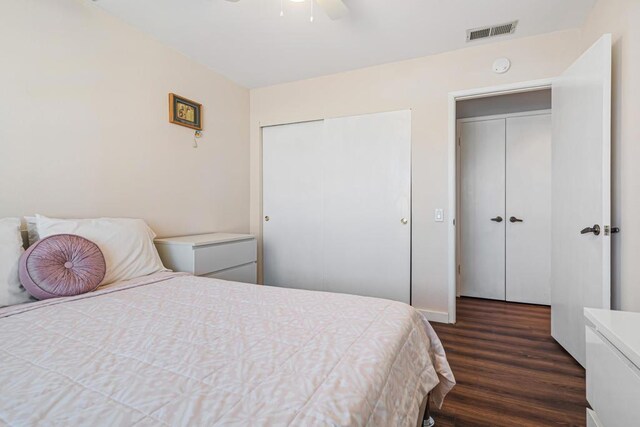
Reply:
x=182 y=350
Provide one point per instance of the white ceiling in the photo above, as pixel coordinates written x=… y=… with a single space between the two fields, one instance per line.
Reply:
x=250 y=43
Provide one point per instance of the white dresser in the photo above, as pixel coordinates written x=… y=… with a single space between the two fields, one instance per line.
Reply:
x=613 y=368
x=219 y=255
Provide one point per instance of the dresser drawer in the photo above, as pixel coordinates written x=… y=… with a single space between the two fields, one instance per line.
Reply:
x=592 y=419
x=225 y=255
x=613 y=383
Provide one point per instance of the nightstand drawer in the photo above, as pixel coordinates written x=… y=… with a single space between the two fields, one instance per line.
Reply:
x=217 y=257
x=247 y=273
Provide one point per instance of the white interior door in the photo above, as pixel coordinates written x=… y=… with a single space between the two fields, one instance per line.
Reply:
x=292 y=205
x=528 y=213
x=367 y=205
x=581 y=195
x=482 y=208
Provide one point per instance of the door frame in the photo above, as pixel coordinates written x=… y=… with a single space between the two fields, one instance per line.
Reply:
x=453 y=98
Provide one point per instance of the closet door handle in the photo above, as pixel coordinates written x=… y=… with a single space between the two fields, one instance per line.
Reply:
x=497 y=219
x=514 y=219
x=595 y=230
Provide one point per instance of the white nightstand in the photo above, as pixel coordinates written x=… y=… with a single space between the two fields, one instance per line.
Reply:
x=219 y=255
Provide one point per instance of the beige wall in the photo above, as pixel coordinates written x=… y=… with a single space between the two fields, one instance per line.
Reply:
x=85 y=94
x=422 y=85
x=622 y=19
x=84 y=124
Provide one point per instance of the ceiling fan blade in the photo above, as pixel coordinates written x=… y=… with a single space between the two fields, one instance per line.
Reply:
x=335 y=9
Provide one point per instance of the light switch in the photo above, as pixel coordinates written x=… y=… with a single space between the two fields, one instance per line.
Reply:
x=439 y=215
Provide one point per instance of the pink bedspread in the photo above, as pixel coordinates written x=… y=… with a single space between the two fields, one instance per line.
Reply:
x=179 y=350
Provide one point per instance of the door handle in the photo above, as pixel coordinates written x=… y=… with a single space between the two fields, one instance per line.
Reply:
x=514 y=219
x=595 y=230
x=497 y=219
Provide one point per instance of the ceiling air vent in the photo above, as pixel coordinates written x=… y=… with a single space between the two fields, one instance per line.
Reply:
x=496 y=30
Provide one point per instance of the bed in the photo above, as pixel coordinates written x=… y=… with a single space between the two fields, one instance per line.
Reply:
x=179 y=350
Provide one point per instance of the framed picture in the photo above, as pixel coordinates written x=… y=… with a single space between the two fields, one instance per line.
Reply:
x=184 y=112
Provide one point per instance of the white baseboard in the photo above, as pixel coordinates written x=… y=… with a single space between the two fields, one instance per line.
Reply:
x=435 y=316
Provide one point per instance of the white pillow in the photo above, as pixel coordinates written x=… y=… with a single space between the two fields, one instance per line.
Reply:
x=127 y=244
x=11 y=292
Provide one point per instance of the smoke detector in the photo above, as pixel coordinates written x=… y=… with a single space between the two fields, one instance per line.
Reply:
x=496 y=30
x=501 y=65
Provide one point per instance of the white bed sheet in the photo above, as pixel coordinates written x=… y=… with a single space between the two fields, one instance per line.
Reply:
x=173 y=349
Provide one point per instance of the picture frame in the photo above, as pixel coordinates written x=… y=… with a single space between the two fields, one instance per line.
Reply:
x=185 y=112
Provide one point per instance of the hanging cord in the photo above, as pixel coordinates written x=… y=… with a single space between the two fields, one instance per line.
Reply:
x=311 y=18
x=281 y=8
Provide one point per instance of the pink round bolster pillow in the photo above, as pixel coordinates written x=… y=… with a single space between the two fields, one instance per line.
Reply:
x=62 y=265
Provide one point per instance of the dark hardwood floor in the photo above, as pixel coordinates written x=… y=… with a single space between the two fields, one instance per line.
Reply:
x=509 y=371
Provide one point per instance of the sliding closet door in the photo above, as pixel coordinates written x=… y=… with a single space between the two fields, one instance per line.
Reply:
x=367 y=205
x=337 y=205
x=292 y=205
x=482 y=208
x=528 y=244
